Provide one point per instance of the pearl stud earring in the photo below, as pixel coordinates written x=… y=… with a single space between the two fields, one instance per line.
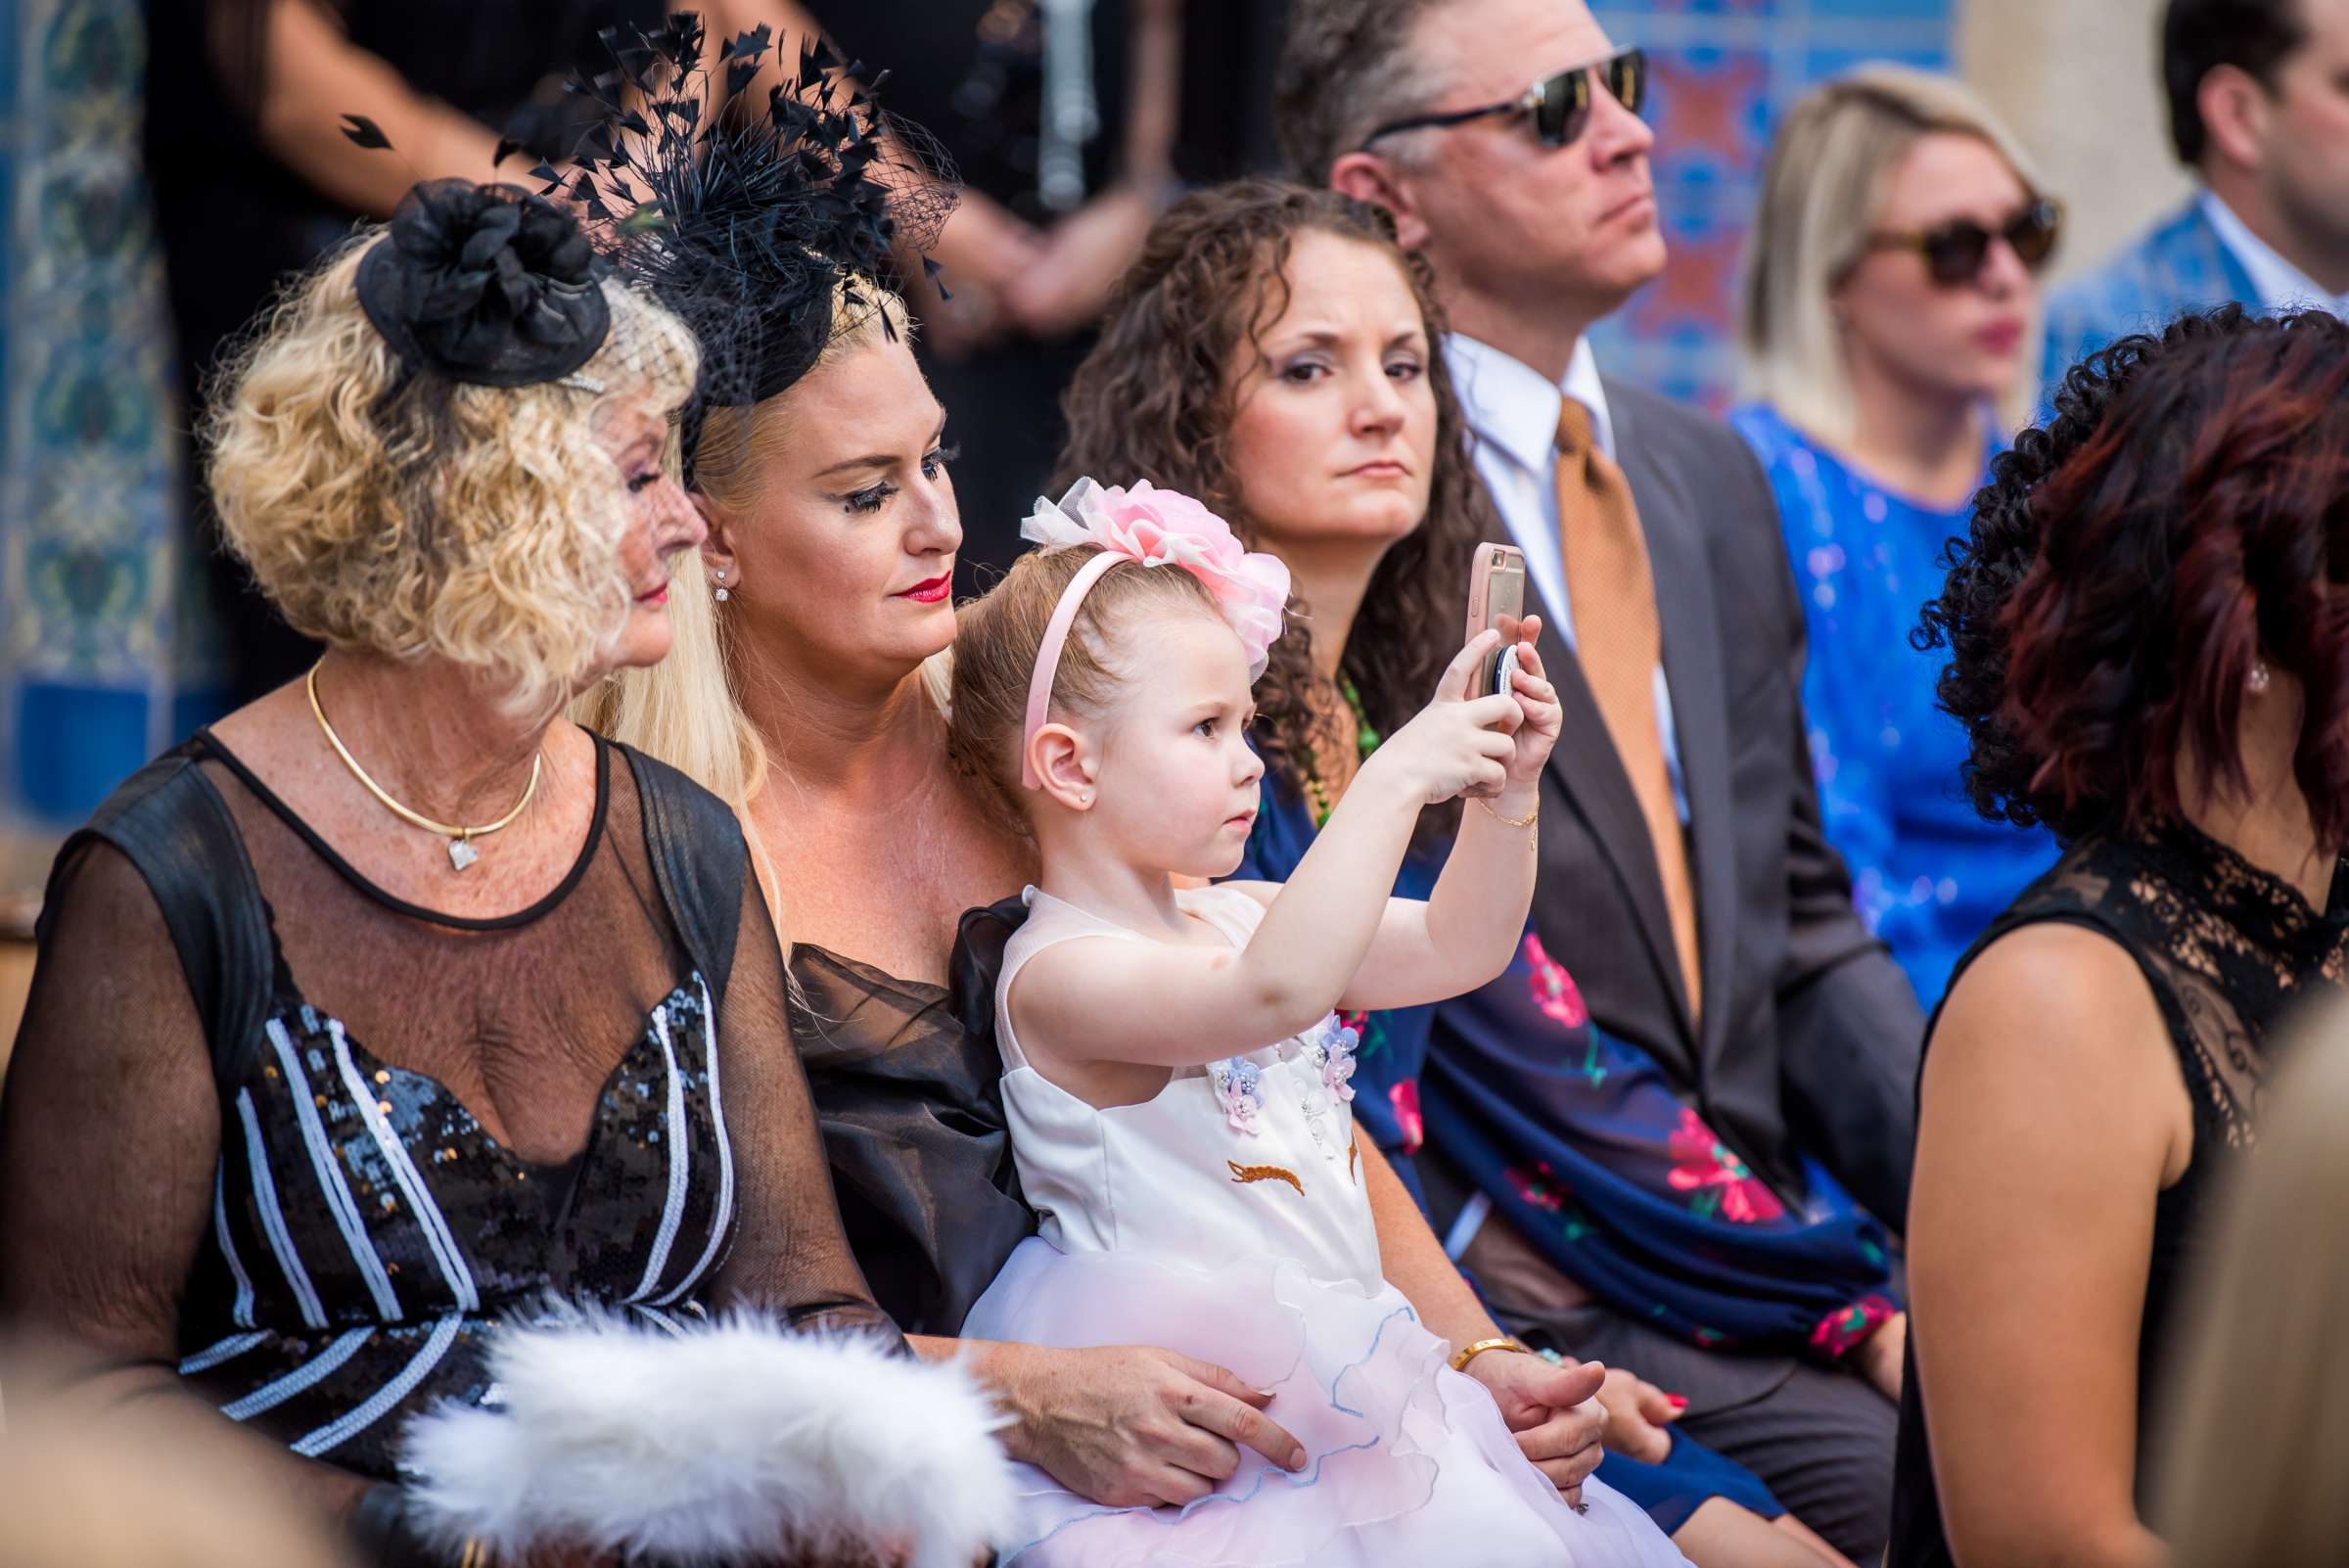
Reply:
x=2257 y=681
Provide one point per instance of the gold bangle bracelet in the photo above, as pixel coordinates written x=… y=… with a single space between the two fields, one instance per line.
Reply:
x=1527 y=820
x=1470 y=1352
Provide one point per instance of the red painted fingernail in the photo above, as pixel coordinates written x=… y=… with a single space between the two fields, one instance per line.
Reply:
x=1680 y=1402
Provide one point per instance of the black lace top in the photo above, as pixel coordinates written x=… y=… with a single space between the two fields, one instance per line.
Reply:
x=240 y=1131
x=2228 y=950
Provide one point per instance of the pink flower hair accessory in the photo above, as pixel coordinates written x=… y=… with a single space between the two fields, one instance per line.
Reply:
x=1155 y=527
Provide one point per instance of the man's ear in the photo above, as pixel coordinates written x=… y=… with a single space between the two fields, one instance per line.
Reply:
x=2235 y=114
x=1368 y=177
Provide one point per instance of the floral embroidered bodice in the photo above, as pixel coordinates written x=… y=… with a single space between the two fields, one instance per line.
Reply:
x=1253 y=1154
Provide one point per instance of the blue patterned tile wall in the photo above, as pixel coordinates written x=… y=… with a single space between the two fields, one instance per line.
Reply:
x=1725 y=70
x=93 y=653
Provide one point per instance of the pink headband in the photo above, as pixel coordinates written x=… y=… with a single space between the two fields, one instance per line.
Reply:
x=1156 y=528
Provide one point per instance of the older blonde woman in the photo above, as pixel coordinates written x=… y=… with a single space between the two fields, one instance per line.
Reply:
x=1891 y=319
x=395 y=1002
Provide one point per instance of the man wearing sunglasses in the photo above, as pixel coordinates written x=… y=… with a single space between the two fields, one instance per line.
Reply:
x=1684 y=882
x=2259 y=110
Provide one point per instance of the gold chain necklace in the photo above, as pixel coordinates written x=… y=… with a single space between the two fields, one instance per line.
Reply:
x=461 y=853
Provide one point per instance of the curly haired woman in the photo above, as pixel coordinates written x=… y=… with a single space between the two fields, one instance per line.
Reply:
x=394 y=1002
x=2149 y=634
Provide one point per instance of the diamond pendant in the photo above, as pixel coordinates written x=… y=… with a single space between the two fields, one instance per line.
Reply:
x=461 y=853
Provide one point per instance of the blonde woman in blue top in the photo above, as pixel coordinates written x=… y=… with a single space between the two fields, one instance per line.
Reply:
x=1891 y=317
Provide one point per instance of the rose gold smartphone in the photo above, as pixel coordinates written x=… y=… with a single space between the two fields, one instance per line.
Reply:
x=1495 y=603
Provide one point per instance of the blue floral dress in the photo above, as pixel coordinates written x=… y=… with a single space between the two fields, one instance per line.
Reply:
x=1928 y=872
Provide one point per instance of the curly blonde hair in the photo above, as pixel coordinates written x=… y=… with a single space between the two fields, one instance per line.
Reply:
x=400 y=514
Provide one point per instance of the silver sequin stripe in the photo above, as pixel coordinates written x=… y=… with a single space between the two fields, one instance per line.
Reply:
x=723 y=1215
x=421 y=1204
x=331 y=1183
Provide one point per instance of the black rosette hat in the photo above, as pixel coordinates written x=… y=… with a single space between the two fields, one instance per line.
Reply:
x=748 y=213
x=488 y=285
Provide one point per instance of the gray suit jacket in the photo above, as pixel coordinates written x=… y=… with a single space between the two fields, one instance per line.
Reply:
x=1810 y=1034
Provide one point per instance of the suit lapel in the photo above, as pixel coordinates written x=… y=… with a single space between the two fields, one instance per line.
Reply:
x=1694 y=671
x=1586 y=764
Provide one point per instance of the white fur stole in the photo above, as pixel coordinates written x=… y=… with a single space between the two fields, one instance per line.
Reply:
x=737 y=1441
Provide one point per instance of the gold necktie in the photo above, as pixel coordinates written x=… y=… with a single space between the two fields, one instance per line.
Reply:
x=1619 y=643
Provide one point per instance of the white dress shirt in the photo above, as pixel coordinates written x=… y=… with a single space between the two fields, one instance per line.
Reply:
x=2280 y=285
x=1513 y=412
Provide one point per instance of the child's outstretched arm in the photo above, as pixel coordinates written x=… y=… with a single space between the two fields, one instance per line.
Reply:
x=1468 y=929
x=1169 y=1005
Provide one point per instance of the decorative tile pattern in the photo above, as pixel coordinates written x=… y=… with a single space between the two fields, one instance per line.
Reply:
x=92 y=645
x=1725 y=72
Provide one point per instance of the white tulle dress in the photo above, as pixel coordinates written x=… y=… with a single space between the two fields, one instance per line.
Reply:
x=1226 y=1219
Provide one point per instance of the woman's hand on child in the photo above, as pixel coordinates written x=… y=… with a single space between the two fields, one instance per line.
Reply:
x=1458 y=743
x=1553 y=1409
x=1128 y=1425
x=1538 y=703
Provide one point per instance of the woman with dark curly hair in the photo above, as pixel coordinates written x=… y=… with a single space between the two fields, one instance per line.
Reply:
x=2150 y=650
x=1274 y=351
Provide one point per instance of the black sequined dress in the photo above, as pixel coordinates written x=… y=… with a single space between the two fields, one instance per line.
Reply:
x=2228 y=950
x=364 y=1233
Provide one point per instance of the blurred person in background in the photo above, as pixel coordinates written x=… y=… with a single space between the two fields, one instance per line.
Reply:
x=2258 y=112
x=1061 y=119
x=2251 y=1459
x=77 y=1493
x=2147 y=649
x=1891 y=318
x=255 y=177
x=1685 y=884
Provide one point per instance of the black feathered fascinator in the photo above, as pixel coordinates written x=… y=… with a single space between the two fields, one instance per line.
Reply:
x=490 y=285
x=747 y=218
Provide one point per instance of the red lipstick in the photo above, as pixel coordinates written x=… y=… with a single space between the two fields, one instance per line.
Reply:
x=930 y=592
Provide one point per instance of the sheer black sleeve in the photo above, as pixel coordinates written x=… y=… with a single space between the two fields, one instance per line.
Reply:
x=110 y=1135
x=110 y=1126
x=790 y=1254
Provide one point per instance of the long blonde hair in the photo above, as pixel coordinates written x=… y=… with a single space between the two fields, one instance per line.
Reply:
x=1828 y=169
x=2258 y=1438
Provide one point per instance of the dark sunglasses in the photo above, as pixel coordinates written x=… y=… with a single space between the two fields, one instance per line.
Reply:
x=1559 y=106
x=1955 y=251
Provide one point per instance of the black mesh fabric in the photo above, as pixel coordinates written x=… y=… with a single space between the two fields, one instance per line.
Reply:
x=2229 y=951
x=439 y=1121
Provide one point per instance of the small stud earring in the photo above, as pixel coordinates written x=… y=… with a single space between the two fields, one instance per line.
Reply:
x=722 y=595
x=2257 y=681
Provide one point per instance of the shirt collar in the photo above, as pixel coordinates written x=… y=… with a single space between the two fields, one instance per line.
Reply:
x=2280 y=285
x=1509 y=403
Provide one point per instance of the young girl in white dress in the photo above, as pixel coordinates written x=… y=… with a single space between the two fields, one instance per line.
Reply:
x=1176 y=1078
